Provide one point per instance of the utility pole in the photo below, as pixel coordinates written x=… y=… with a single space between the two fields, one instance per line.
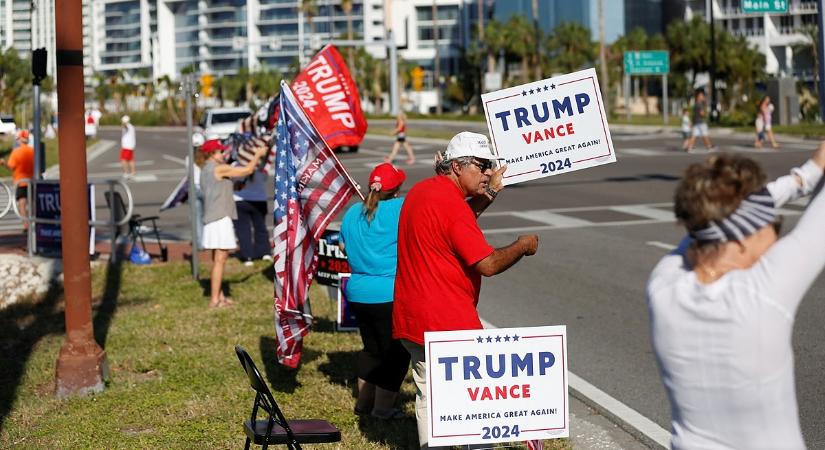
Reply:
x=714 y=113
x=820 y=51
x=81 y=364
x=536 y=36
x=437 y=71
x=188 y=87
x=605 y=82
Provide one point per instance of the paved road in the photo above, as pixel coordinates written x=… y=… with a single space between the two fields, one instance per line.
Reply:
x=601 y=231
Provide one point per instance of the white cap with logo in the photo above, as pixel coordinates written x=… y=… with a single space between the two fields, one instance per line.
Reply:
x=470 y=144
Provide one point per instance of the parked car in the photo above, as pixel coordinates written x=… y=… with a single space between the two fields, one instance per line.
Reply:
x=7 y=125
x=221 y=122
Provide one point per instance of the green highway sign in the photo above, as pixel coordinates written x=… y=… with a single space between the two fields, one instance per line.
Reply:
x=647 y=62
x=765 y=6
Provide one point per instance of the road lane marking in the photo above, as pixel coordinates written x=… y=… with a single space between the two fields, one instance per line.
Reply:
x=663 y=245
x=550 y=218
x=98 y=149
x=624 y=416
x=180 y=161
x=640 y=152
x=645 y=211
x=137 y=163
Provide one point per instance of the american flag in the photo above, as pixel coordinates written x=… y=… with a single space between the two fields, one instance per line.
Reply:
x=536 y=444
x=311 y=186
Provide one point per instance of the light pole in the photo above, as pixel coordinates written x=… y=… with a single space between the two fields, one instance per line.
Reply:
x=81 y=364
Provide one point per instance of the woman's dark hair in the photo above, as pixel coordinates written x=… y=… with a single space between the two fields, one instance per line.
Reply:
x=371 y=202
x=713 y=189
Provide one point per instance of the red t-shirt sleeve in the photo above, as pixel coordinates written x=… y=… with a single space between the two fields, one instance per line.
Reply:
x=467 y=239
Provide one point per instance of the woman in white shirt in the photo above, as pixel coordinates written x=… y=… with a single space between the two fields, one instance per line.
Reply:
x=722 y=305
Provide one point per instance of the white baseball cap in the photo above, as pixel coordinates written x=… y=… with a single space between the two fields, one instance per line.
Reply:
x=124 y=119
x=470 y=144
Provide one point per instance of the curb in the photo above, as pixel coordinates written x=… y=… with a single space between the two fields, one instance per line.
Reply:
x=645 y=430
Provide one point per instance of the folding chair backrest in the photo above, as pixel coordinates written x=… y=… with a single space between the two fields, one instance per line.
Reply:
x=264 y=398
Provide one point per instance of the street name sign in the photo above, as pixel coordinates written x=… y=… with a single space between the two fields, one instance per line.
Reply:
x=765 y=6
x=548 y=127
x=647 y=62
x=497 y=385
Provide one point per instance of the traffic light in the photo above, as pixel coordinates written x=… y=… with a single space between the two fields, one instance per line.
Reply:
x=417 y=75
x=206 y=85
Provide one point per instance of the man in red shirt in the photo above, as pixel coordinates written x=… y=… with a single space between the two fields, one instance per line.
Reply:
x=21 y=162
x=442 y=253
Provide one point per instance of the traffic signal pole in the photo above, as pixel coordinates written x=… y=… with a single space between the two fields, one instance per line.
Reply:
x=81 y=364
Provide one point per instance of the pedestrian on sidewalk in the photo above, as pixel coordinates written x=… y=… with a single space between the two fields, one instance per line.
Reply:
x=700 y=126
x=369 y=232
x=219 y=212
x=128 y=140
x=401 y=139
x=686 y=126
x=722 y=305
x=21 y=163
x=442 y=253
x=251 y=202
x=763 y=123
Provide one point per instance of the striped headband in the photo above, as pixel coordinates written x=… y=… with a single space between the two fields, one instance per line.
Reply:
x=756 y=211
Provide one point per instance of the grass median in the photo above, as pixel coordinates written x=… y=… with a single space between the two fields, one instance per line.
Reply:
x=175 y=380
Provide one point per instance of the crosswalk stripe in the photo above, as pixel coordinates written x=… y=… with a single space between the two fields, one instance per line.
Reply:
x=645 y=211
x=549 y=218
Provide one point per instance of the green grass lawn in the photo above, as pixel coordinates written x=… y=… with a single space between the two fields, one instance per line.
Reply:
x=175 y=380
x=52 y=154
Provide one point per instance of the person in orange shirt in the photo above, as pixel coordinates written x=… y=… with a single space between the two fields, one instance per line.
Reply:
x=21 y=163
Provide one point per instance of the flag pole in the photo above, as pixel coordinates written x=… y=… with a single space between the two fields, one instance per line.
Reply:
x=326 y=146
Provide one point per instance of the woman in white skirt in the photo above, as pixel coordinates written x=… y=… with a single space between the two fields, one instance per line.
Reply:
x=219 y=211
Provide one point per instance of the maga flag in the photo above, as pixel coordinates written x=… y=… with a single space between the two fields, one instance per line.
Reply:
x=311 y=187
x=327 y=93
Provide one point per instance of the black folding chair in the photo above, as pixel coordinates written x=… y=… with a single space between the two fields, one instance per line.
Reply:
x=137 y=223
x=276 y=429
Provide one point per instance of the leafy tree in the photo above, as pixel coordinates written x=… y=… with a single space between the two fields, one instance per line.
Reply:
x=495 y=40
x=346 y=6
x=521 y=37
x=15 y=80
x=570 y=48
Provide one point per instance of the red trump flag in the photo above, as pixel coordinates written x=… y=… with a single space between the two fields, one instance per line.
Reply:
x=327 y=93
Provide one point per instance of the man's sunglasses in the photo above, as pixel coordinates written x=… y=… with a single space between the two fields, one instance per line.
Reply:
x=482 y=165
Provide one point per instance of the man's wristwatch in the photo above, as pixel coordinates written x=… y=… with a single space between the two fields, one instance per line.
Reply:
x=491 y=192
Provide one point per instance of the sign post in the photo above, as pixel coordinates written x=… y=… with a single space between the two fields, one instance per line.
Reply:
x=648 y=62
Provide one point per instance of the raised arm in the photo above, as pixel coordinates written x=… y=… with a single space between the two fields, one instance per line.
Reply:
x=479 y=203
x=503 y=258
x=227 y=171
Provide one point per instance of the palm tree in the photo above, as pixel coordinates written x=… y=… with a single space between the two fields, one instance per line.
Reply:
x=346 y=6
x=310 y=10
x=495 y=37
x=570 y=47
x=811 y=34
x=171 y=88
x=522 y=43
x=102 y=91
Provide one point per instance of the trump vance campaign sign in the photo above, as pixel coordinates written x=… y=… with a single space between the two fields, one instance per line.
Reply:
x=497 y=385
x=549 y=127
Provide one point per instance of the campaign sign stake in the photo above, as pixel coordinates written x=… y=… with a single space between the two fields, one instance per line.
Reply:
x=549 y=127
x=497 y=385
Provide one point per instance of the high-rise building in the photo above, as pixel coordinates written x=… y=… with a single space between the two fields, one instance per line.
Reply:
x=553 y=12
x=27 y=25
x=775 y=35
x=652 y=15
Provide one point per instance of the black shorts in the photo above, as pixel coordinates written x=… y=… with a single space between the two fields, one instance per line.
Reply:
x=400 y=137
x=21 y=192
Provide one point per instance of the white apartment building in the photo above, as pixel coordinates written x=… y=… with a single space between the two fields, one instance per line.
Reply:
x=775 y=35
x=27 y=25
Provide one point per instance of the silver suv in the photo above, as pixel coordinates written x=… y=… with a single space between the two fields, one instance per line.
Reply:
x=7 y=125
x=221 y=122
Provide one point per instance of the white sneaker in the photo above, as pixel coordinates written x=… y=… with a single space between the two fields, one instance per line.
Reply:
x=266 y=258
x=248 y=263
